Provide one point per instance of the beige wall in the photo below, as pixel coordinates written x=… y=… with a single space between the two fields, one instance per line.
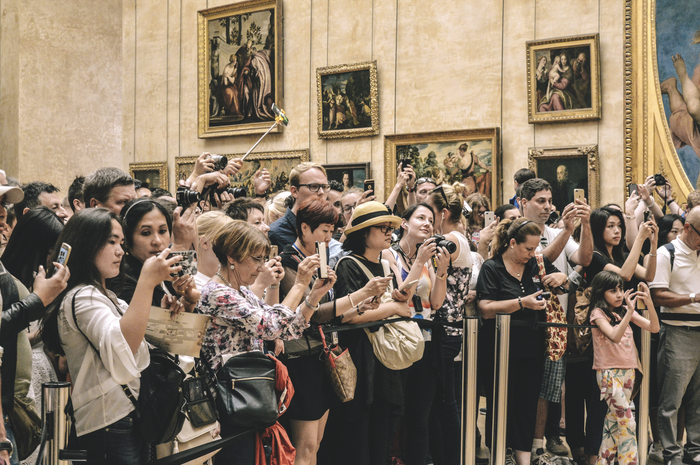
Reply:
x=60 y=88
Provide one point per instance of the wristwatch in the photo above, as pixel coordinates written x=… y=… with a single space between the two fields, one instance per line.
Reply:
x=6 y=445
x=692 y=298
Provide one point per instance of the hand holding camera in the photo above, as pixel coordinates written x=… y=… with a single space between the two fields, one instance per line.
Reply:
x=535 y=301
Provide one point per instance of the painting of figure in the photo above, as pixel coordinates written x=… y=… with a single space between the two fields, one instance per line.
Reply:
x=678 y=50
x=349 y=175
x=241 y=63
x=347 y=100
x=563 y=76
x=279 y=164
x=565 y=175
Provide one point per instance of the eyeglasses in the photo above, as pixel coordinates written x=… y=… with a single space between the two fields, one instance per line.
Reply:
x=691 y=225
x=314 y=187
x=258 y=260
x=442 y=193
x=386 y=229
x=424 y=180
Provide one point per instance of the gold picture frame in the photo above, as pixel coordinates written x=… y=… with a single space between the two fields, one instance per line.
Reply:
x=348 y=103
x=558 y=92
x=155 y=174
x=438 y=155
x=649 y=137
x=279 y=164
x=582 y=172
x=232 y=101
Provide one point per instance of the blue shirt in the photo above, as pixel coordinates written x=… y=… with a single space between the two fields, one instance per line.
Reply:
x=284 y=230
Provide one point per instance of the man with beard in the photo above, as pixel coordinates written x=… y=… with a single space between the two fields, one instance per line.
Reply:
x=563 y=191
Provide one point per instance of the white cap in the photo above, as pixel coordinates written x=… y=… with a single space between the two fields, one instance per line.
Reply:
x=12 y=194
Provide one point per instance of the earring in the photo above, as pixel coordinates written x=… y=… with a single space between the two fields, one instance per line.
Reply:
x=511 y=248
x=232 y=263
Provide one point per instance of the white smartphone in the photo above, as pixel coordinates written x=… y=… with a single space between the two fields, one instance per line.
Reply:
x=323 y=255
x=489 y=217
x=64 y=253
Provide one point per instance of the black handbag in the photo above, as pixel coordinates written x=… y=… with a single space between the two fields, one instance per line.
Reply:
x=246 y=391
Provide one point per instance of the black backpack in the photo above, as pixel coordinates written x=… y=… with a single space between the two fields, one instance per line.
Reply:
x=160 y=409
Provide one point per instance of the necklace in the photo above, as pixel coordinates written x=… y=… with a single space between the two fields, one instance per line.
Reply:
x=221 y=277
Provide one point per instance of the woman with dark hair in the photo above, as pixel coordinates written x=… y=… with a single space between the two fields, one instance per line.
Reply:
x=508 y=283
x=308 y=411
x=241 y=322
x=410 y=260
x=103 y=336
x=360 y=430
x=507 y=212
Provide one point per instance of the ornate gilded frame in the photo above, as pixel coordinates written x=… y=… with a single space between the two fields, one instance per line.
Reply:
x=184 y=167
x=648 y=145
x=587 y=152
x=582 y=114
x=391 y=142
x=373 y=129
x=205 y=130
x=137 y=170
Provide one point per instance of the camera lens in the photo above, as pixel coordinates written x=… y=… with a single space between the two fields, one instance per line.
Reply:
x=220 y=162
x=186 y=197
x=440 y=241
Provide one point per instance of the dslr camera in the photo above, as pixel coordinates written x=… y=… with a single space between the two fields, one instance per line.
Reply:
x=186 y=197
x=659 y=180
x=220 y=162
x=440 y=241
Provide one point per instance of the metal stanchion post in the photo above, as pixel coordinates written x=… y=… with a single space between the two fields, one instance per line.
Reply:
x=500 y=390
x=55 y=397
x=469 y=395
x=642 y=403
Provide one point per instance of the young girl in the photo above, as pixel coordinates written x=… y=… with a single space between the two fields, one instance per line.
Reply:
x=615 y=358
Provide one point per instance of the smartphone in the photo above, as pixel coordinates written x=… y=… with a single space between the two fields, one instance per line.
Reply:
x=404 y=164
x=369 y=185
x=64 y=253
x=647 y=215
x=631 y=188
x=489 y=217
x=579 y=195
x=544 y=296
x=640 y=303
x=323 y=255
x=406 y=285
x=273 y=252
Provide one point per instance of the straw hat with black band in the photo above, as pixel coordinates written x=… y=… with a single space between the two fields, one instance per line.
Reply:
x=371 y=214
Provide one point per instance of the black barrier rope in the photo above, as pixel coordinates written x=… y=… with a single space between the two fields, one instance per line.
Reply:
x=44 y=437
x=195 y=452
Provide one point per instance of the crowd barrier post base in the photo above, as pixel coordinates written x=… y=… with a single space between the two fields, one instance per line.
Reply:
x=500 y=390
x=470 y=398
x=55 y=396
x=642 y=402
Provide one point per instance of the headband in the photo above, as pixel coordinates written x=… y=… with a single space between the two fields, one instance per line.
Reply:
x=134 y=204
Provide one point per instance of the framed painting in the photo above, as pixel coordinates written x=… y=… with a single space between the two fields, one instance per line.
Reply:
x=153 y=174
x=563 y=79
x=566 y=169
x=239 y=68
x=279 y=164
x=183 y=168
x=347 y=101
x=469 y=156
x=662 y=81
x=349 y=174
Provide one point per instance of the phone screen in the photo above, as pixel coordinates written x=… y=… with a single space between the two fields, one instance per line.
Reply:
x=64 y=253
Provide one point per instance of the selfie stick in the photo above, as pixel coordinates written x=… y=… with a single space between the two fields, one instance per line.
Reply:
x=280 y=118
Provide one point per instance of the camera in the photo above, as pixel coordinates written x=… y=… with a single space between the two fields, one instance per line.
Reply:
x=220 y=162
x=440 y=241
x=404 y=163
x=186 y=197
x=236 y=192
x=659 y=180
x=544 y=296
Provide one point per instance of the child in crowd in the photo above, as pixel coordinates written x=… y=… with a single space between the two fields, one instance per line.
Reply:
x=615 y=359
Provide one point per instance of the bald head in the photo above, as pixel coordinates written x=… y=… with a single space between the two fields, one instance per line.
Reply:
x=690 y=235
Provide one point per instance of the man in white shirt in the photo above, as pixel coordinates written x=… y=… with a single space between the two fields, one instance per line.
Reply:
x=558 y=246
x=676 y=289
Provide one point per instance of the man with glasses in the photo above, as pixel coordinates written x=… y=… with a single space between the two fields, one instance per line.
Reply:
x=562 y=251
x=676 y=289
x=306 y=180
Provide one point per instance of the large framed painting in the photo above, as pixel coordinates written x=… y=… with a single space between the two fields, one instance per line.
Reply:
x=662 y=123
x=469 y=156
x=563 y=79
x=239 y=68
x=566 y=169
x=152 y=174
x=349 y=174
x=347 y=101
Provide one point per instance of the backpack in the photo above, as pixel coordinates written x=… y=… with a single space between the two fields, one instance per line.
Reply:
x=160 y=408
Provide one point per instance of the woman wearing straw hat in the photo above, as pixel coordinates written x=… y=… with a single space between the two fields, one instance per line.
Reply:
x=364 y=426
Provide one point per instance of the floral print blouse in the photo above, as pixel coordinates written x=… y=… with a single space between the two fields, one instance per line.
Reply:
x=241 y=322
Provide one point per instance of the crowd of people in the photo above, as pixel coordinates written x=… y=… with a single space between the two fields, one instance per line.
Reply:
x=427 y=254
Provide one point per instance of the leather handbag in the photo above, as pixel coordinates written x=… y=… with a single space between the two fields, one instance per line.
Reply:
x=245 y=386
x=397 y=345
x=340 y=369
x=26 y=426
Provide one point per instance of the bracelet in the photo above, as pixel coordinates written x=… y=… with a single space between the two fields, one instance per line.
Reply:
x=443 y=277
x=651 y=255
x=357 y=307
x=261 y=196
x=409 y=190
x=630 y=217
x=274 y=286
x=648 y=205
x=306 y=301
x=352 y=304
x=520 y=302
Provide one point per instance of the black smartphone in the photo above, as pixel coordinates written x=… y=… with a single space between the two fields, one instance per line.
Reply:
x=369 y=185
x=631 y=188
x=404 y=164
x=544 y=296
x=647 y=215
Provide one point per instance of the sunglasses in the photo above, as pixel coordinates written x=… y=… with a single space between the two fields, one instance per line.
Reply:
x=442 y=193
x=424 y=180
